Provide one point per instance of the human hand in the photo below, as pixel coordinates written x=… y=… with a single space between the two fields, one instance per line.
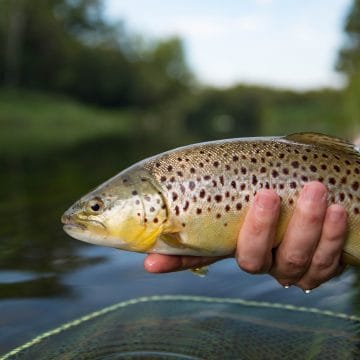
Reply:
x=308 y=255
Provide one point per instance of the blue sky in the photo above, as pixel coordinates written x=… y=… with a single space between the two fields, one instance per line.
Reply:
x=283 y=43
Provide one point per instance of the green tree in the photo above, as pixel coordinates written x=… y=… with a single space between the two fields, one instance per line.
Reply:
x=349 y=63
x=67 y=46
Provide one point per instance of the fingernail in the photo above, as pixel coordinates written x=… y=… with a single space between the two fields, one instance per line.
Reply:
x=265 y=201
x=311 y=193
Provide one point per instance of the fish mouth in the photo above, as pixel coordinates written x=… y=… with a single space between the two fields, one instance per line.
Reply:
x=70 y=223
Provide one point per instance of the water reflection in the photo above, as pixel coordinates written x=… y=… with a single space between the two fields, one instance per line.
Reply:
x=39 y=187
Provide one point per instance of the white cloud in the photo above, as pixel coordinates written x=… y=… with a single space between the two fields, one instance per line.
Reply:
x=285 y=43
x=212 y=26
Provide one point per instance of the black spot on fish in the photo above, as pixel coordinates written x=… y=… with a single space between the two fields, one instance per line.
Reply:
x=191 y=185
x=221 y=178
x=186 y=206
x=134 y=192
x=304 y=178
x=313 y=168
x=198 y=211
x=202 y=193
x=274 y=174
x=218 y=198
x=355 y=185
x=254 y=180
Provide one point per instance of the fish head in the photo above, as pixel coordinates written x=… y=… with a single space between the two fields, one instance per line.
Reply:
x=126 y=212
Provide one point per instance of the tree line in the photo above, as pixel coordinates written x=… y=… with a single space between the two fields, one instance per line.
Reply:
x=68 y=47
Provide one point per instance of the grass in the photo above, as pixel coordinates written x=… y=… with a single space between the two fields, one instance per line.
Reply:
x=36 y=122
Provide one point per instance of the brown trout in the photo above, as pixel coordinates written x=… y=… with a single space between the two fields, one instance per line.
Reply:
x=192 y=200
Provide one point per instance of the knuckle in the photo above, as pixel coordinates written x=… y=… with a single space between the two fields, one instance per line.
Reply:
x=322 y=262
x=312 y=216
x=251 y=266
x=296 y=262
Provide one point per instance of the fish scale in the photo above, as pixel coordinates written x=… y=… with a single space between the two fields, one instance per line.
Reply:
x=206 y=189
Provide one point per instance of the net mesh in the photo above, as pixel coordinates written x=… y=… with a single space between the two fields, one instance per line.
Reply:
x=185 y=327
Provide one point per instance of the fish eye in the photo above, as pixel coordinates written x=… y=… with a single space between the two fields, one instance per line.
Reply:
x=95 y=206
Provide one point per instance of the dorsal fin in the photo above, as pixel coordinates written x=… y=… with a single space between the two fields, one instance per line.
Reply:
x=325 y=141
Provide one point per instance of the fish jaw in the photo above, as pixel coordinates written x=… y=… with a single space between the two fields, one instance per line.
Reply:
x=83 y=234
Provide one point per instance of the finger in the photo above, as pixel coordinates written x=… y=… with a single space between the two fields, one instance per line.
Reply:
x=156 y=263
x=253 y=252
x=302 y=235
x=325 y=263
